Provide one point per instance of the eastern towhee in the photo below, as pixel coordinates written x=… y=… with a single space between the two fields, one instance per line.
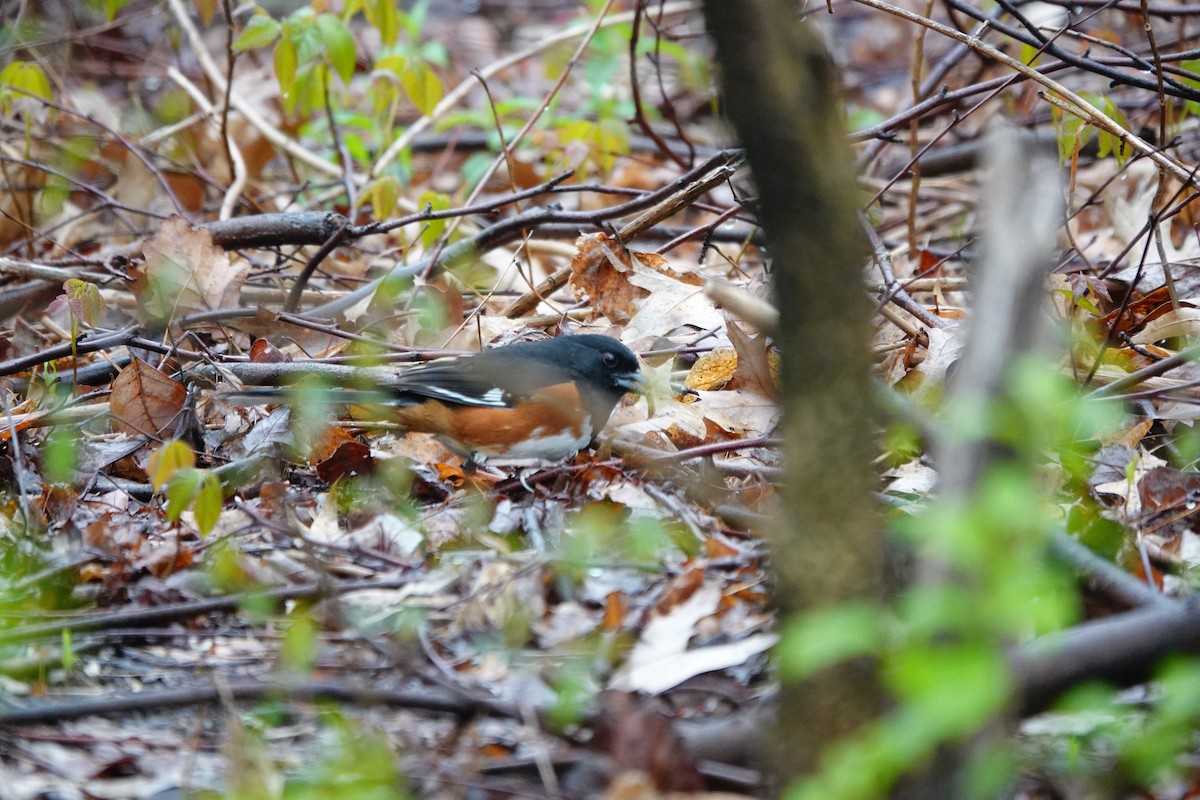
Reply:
x=541 y=400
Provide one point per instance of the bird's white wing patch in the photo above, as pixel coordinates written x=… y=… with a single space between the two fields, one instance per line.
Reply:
x=493 y=398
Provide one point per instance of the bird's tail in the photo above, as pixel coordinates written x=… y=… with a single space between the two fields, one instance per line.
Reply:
x=270 y=395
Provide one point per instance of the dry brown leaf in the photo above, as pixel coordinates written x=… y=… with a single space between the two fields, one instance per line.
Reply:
x=1131 y=316
x=679 y=589
x=715 y=548
x=600 y=272
x=144 y=400
x=164 y=557
x=1168 y=489
x=332 y=437
x=499 y=594
x=17 y=206
x=113 y=536
x=639 y=290
x=266 y=324
x=681 y=438
x=755 y=372
x=137 y=187
x=185 y=272
x=640 y=739
x=615 y=606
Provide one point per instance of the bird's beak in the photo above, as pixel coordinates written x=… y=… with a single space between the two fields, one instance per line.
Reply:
x=638 y=384
x=635 y=382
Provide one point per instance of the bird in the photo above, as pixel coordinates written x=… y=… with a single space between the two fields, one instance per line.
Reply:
x=538 y=401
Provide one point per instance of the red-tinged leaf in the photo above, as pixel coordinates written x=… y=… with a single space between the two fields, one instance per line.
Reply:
x=927 y=263
x=1167 y=488
x=92 y=302
x=82 y=299
x=351 y=459
x=263 y=352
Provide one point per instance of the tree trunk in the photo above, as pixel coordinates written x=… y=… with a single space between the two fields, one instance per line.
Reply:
x=779 y=91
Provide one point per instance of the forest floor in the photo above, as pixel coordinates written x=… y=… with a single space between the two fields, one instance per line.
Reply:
x=207 y=598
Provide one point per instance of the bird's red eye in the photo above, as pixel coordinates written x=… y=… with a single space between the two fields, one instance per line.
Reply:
x=609 y=360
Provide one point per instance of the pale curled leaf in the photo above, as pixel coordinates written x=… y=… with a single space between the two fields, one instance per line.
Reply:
x=661 y=658
x=1176 y=322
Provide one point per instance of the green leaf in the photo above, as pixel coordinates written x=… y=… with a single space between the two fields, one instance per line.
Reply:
x=286 y=64
x=422 y=86
x=434 y=201
x=339 y=45
x=953 y=688
x=260 y=31
x=1029 y=54
x=308 y=92
x=68 y=653
x=112 y=8
x=358 y=149
x=384 y=195
x=28 y=77
x=383 y=16
x=181 y=491
x=605 y=141
x=60 y=455
x=209 y=501
x=384 y=96
x=1193 y=68
x=827 y=637
x=1073 y=134
x=394 y=64
x=414 y=21
x=169 y=459
x=299 y=647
